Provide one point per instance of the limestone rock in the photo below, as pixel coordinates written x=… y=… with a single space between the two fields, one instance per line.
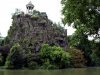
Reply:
x=31 y=31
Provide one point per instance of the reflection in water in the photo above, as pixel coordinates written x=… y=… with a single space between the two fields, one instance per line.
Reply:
x=81 y=71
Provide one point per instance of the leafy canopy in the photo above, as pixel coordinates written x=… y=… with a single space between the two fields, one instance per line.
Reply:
x=82 y=13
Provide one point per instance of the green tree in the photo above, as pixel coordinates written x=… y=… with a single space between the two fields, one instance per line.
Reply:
x=82 y=13
x=15 y=59
x=84 y=16
x=77 y=58
x=54 y=57
x=96 y=54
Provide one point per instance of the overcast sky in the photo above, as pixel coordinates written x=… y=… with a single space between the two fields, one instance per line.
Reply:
x=7 y=7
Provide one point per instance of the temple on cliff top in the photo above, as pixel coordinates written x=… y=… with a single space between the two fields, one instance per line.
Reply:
x=33 y=29
x=29 y=8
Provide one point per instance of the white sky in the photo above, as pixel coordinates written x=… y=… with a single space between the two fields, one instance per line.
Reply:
x=7 y=7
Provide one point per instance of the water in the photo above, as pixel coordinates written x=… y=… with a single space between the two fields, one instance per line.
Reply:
x=79 y=71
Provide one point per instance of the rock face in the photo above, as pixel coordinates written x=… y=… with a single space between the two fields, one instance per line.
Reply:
x=31 y=31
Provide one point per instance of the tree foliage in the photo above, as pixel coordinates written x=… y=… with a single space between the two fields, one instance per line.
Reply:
x=54 y=57
x=96 y=54
x=77 y=58
x=15 y=59
x=82 y=13
x=80 y=41
x=84 y=16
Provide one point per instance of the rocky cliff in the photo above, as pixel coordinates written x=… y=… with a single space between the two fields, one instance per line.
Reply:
x=31 y=31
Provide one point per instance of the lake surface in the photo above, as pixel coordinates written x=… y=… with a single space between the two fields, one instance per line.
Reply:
x=78 y=71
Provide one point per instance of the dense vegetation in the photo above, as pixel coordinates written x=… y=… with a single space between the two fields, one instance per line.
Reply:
x=49 y=57
x=25 y=51
x=84 y=16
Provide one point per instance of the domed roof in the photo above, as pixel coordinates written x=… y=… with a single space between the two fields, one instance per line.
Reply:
x=30 y=4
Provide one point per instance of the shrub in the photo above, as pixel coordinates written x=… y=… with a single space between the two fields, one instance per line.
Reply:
x=31 y=61
x=35 y=17
x=15 y=59
x=77 y=58
x=60 y=57
x=95 y=56
x=1 y=60
x=45 y=51
x=48 y=65
x=66 y=57
x=54 y=57
x=32 y=65
x=9 y=65
x=4 y=50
